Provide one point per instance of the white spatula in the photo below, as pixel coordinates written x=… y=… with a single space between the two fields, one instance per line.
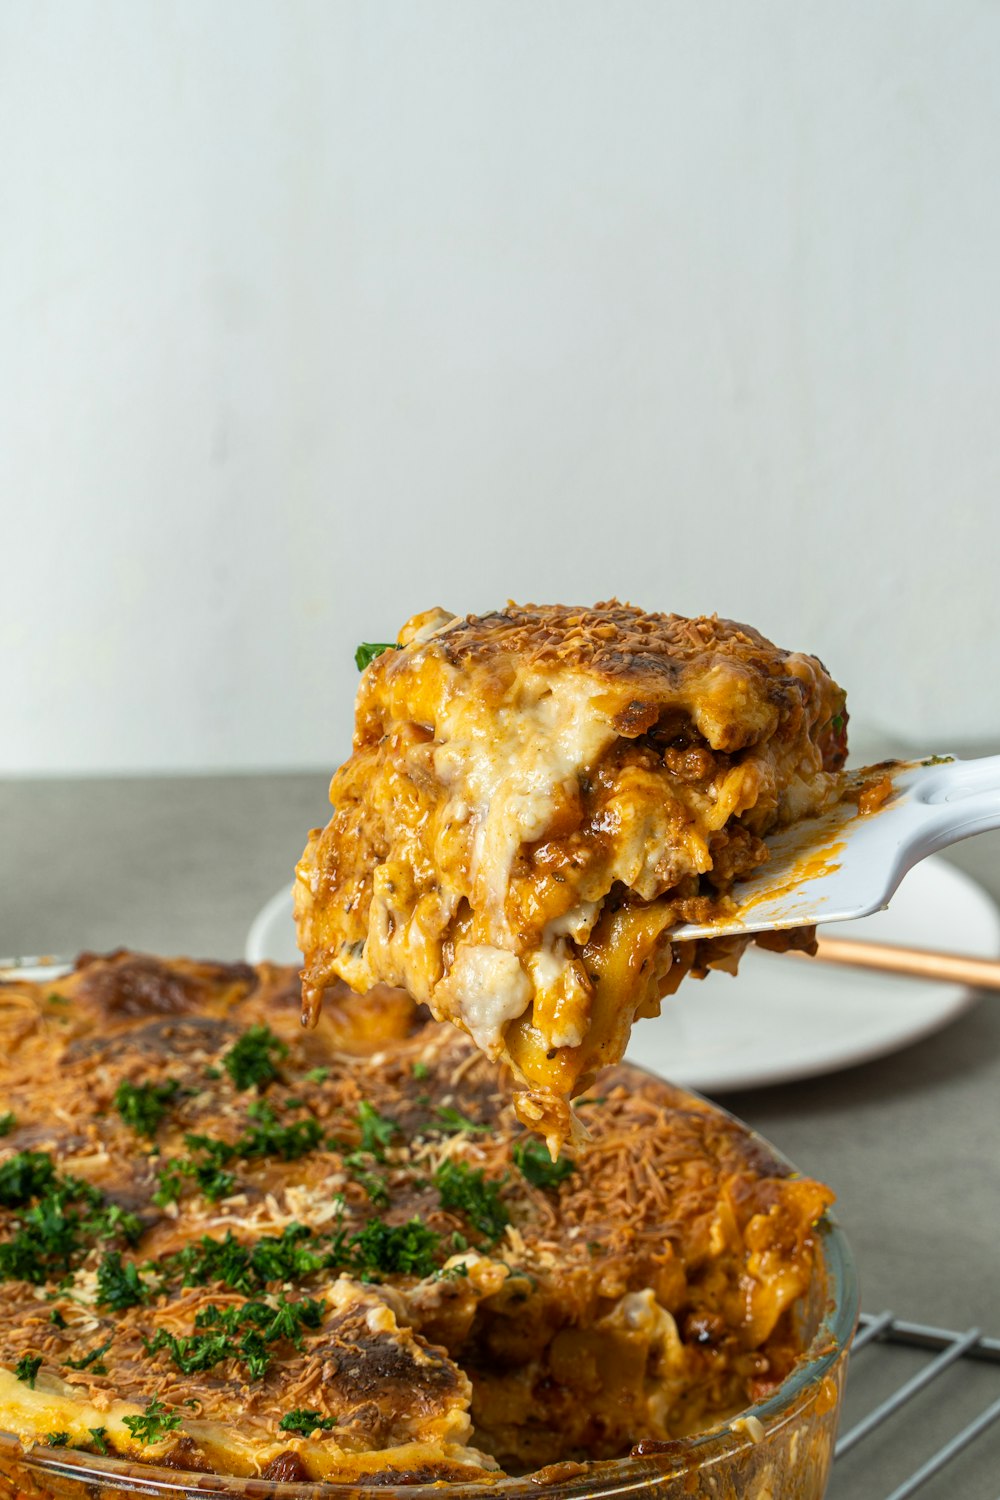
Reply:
x=845 y=864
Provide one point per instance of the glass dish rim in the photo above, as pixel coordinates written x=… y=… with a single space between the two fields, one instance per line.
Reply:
x=606 y=1477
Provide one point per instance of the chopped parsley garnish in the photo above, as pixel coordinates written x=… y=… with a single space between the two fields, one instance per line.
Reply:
x=937 y=760
x=253 y=1061
x=57 y=1439
x=421 y=1070
x=468 y=1191
x=99 y=1434
x=207 y=1175
x=145 y=1105
x=154 y=1423
x=317 y=1075
x=531 y=1157
x=451 y=1121
x=248 y=1268
x=239 y=1333
x=27 y=1368
x=88 y=1359
x=27 y=1175
x=279 y=1320
x=377 y=1248
x=408 y=1249
x=7 y=1123
x=368 y=650
x=373 y=1183
x=62 y=1224
x=376 y=1133
x=265 y=1137
x=451 y=1273
x=119 y=1283
x=56 y=1317
x=304 y=1421
x=376 y=1130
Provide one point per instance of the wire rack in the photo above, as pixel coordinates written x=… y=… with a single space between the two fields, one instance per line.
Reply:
x=932 y=1394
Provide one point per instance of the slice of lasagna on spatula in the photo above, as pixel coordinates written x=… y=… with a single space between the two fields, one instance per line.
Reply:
x=535 y=798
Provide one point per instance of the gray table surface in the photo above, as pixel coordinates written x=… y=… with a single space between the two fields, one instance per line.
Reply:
x=911 y=1143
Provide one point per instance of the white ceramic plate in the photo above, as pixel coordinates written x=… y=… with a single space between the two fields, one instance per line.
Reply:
x=781 y=1019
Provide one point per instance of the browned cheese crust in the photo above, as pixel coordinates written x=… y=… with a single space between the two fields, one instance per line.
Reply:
x=536 y=796
x=383 y=1258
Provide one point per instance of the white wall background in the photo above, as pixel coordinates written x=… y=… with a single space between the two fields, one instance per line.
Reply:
x=315 y=314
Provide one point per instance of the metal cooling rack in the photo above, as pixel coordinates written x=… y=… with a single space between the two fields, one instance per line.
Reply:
x=906 y=1423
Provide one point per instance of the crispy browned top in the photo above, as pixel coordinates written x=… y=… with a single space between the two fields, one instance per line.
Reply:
x=735 y=683
x=611 y=639
x=461 y=1352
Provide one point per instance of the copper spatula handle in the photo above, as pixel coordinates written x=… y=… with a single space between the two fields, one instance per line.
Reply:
x=918 y=963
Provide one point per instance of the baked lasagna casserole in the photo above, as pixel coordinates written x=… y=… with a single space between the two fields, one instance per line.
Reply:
x=535 y=798
x=230 y=1245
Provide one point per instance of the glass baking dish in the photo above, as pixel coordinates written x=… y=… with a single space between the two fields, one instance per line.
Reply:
x=778 y=1449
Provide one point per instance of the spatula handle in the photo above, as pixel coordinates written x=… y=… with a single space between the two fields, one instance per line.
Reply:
x=917 y=963
x=953 y=801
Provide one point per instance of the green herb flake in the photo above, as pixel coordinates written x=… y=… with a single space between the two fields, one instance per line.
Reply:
x=57 y=1439
x=373 y=1183
x=368 y=650
x=206 y=1166
x=306 y=1422
x=88 y=1359
x=7 y=1123
x=267 y=1138
x=469 y=1192
x=376 y=1130
x=120 y=1284
x=531 y=1157
x=27 y=1175
x=154 y=1424
x=317 y=1075
x=144 y=1106
x=170 y=1180
x=213 y=1183
x=27 y=1368
x=253 y=1061
x=56 y=1318
x=451 y=1273
x=420 y=1070
x=248 y=1268
x=99 y=1434
x=59 y=1219
x=938 y=760
x=406 y=1249
x=239 y=1333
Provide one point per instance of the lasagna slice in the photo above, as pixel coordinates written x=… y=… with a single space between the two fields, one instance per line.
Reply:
x=535 y=798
